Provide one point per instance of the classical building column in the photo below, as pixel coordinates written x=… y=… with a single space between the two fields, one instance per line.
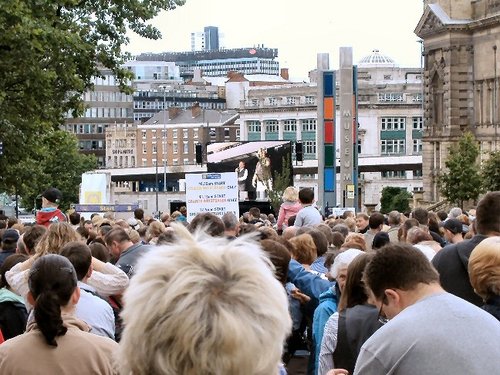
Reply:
x=281 y=126
x=244 y=130
x=298 y=130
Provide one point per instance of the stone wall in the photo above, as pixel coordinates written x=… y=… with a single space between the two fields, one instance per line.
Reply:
x=461 y=82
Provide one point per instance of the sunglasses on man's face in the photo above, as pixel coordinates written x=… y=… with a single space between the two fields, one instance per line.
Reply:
x=381 y=316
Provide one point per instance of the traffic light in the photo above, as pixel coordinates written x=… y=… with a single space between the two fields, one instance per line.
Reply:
x=199 y=156
x=1 y=148
x=298 y=151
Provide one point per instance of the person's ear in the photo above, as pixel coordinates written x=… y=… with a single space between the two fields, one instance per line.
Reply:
x=89 y=272
x=115 y=248
x=391 y=297
x=75 y=297
x=31 y=299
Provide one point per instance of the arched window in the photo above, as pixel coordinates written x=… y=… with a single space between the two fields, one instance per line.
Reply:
x=437 y=95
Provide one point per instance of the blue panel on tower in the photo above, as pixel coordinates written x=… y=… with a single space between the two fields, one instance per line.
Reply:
x=329 y=179
x=328 y=84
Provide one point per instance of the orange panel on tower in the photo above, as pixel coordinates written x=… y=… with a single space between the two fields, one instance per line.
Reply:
x=329 y=108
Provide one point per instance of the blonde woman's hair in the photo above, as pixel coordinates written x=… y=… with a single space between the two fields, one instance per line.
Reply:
x=351 y=224
x=19 y=227
x=290 y=194
x=354 y=241
x=56 y=236
x=134 y=235
x=204 y=305
x=304 y=250
x=484 y=267
x=154 y=230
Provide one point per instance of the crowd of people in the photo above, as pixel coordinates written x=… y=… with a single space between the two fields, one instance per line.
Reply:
x=396 y=293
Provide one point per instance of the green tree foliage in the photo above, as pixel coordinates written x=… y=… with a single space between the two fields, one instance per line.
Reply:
x=491 y=172
x=49 y=52
x=394 y=198
x=462 y=180
x=281 y=181
x=61 y=167
x=401 y=201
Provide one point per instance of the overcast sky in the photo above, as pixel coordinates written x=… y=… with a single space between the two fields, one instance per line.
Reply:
x=299 y=29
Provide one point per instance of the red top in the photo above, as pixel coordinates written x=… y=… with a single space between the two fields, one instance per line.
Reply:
x=48 y=217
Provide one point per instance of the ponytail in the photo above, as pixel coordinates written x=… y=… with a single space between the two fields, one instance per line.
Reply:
x=48 y=317
x=52 y=281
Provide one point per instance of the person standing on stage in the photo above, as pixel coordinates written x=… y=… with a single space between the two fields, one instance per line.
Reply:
x=262 y=179
x=242 y=172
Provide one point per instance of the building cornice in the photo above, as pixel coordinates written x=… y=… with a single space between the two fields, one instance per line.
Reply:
x=491 y=21
x=278 y=109
x=435 y=21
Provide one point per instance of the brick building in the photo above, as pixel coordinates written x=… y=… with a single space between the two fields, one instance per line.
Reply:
x=168 y=140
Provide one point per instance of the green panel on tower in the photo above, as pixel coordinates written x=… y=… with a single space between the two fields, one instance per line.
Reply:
x=329 y=156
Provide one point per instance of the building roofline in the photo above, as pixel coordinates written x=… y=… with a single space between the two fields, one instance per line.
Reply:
x=235 y=53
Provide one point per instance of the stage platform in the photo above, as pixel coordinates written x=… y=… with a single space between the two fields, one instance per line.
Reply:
x=263 y=206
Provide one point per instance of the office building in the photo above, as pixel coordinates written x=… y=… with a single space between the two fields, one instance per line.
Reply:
x=158 y=86
x=208 y=40
x=105 y=106
x=217 y=63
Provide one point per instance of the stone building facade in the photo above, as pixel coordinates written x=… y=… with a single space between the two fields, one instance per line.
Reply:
x=121 y=146
x=460 y=40
x=389 y=125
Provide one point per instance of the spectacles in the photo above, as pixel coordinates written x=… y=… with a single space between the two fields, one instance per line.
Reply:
x=381 y=316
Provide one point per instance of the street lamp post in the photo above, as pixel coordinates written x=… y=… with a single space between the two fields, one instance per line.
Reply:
x=156 y=189
x=164 y=139
x=157 y=186
x=495 y=83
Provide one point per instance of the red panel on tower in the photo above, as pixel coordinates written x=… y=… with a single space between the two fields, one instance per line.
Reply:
x=329 y=132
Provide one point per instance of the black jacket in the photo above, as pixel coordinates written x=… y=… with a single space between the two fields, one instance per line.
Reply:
x=452 y=264
x=13 y=317
x=492 y=306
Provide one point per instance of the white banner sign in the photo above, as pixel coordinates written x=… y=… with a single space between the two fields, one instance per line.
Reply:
x=338 y=211
x=216 y=193
x=94 y=188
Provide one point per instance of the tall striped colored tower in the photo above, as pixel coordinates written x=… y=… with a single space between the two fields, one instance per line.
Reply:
x=327 y=176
